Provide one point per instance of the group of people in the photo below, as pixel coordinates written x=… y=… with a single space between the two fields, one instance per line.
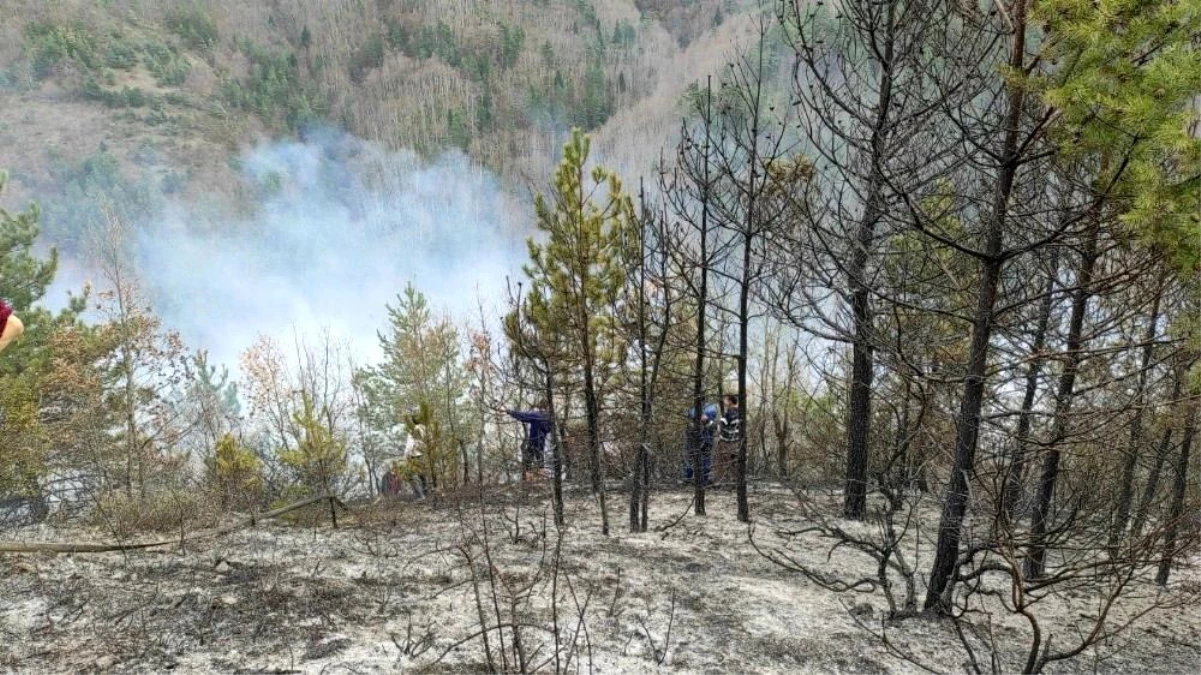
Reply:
x=722 y=426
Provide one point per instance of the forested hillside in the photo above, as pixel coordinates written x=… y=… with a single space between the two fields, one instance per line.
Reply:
x=172 y=89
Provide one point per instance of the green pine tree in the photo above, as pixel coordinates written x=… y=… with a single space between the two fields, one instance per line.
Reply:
x=422 y=373
x=27 y=366
x=1125 y=84
x=576 y=275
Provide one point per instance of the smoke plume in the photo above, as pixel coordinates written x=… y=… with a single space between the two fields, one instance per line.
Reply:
x=339 y=227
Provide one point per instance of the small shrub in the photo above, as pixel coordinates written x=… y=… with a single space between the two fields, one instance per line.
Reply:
x=236 y=474
x=127 y=97
x=134 y=97
x=169 y=68
x=120 y=55
x=52 y=44
x=195 y=27
x=164 y=511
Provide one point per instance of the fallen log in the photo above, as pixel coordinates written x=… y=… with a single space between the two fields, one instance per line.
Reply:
x=56 y=547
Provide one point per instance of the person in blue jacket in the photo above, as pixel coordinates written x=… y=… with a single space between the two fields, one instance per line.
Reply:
x=698 y=439
x=538 y=426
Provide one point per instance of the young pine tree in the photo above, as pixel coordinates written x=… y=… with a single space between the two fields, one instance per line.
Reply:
x=576 y=276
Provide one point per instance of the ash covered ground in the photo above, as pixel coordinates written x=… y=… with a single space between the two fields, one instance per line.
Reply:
x=401 y=587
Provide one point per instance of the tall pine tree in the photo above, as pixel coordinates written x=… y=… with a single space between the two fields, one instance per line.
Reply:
x=576 y=275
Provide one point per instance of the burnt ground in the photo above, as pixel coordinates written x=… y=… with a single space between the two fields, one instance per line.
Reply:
x=392 y=591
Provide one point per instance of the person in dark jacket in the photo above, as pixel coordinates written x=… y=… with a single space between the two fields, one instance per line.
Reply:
x=698 y=441
x=538 y=426
x=729 y=434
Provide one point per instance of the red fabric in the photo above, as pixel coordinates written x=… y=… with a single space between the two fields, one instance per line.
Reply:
x=5 y=312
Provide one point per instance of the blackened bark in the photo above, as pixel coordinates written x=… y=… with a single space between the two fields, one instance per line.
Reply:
x=1121 y=517
x=644 y=394
x=557 y=443
x=1036 y=561
x=698 y=375
x=1015 y=477
x=1152 y=486
x=967 y=424
x=967 y=428
x=859 y=407
x=592 y=412
x=744 y=509
x=1176 y=511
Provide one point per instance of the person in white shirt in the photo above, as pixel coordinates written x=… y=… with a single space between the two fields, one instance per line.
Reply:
x=413 y=453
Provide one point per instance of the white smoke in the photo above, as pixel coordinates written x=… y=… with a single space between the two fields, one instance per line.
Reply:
x=341 y=226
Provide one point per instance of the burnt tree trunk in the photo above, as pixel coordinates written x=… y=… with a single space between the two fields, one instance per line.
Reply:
x=1036 y=561
x=696 y=430
x=859 y=406
x=1121 y=517
x=559 y=446
x=967 y=423
x=1176 y=510
x=1015 y=476
x=1152 y=486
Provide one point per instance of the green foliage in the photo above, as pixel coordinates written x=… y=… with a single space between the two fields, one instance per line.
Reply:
x=24 y=276
x=485 y=117
x=588 y=107
x=197 y=29
x=369 y=56
x=320 y=457
x=421 y=380
x=236 y=472
x=1127 y=77
x=23 y=279
x=624 y=34
x=49 y=46
x=126 y=97
x=588 y=13
x=458 y=127
x=432 y=41
x=439 y=41
x=166 y=64
x=84 y=189
x=52 y=44
x=120 y=55
x=577 y=274
x=596 y=105
x=26 y=365
x=511 y=42
x=276 y=90
x=399 y=38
